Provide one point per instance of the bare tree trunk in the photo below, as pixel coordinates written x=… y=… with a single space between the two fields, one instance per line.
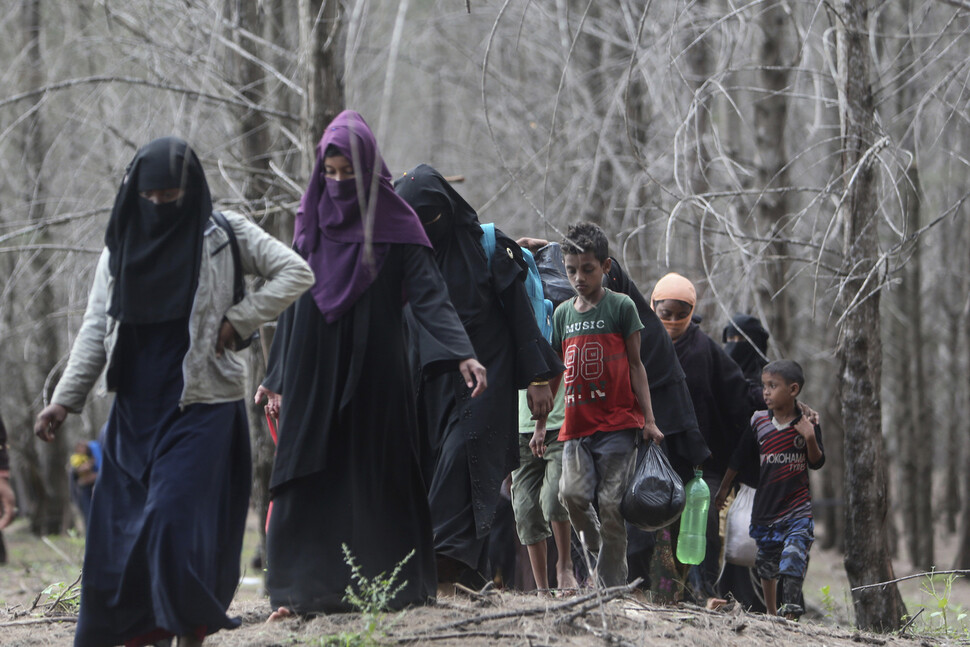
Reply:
x=320 y=41
x=919 y=483
x=832 y=513
x=771 y=118
x=51 y=511
x=867 y=558
x=953 y=495
x=699 y=66
x=254 y=130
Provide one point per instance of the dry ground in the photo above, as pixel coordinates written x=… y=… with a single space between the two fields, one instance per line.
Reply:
x=503 y=618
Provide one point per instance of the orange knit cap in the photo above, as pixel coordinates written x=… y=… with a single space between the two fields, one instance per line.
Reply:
x=674 y=286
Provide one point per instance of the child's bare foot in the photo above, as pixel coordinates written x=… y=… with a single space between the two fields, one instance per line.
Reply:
x=713 y=604
x=280 y=614
x=188 y=641
x=566 y=580
x=446 y=589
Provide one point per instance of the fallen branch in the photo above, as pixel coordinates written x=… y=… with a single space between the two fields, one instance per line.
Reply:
x=601 y=596
x=38 y=621
x=51 y=606
x=478 y=633
x=910 y=577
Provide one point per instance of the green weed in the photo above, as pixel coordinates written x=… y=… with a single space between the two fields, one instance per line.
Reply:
x=943 y=618
x=372 y=597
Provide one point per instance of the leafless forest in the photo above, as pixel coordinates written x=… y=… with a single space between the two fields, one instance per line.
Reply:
x=805 y=161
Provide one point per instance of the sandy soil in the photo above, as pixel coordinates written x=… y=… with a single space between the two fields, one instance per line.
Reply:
x=500 y=618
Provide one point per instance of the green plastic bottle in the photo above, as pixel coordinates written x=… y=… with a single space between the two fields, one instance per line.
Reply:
x=692 y=541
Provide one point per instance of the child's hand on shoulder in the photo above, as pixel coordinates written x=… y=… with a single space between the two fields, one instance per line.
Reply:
x=805 y=428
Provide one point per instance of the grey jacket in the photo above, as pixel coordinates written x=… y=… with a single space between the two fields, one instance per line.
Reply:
x=207 y=378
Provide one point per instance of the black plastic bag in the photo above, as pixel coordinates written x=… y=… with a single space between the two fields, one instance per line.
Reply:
x=655 y=497
x=552 y=270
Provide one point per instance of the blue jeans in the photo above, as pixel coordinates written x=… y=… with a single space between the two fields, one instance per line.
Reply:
x=783 y=555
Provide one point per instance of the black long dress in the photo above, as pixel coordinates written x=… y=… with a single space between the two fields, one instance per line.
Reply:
x=346 y=469
x=166 y=528
x=471 y=445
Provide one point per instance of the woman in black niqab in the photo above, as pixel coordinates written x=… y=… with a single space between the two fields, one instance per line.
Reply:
x=165 y=531
x=470 y=446
x=156 y=248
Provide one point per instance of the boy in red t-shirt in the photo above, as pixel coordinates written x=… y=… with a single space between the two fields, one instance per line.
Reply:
x=607 y=400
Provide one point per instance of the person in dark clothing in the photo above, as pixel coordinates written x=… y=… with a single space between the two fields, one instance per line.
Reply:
x=347 y=471
x=683 y=443
x=721 y=399
x=169 y=511
x=8 y=503
x=746 y=342
x=472 y=445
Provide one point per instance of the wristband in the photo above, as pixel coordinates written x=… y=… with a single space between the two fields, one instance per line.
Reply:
x=539 y=383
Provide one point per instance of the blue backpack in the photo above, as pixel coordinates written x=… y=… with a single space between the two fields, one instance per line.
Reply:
x=541 y=306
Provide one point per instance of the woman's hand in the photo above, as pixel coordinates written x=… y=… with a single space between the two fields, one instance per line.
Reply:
x=539 y=397
x=48 y=421
x=273 y=401
x=474 y=373
x=226 y=339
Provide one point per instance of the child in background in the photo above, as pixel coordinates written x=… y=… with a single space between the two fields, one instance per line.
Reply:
x=785 y=444
x=85 y=465
x=535 y=484
x=607 y=400
x=535 y=494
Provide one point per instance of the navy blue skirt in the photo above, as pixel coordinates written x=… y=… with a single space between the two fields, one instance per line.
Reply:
x=169 y=506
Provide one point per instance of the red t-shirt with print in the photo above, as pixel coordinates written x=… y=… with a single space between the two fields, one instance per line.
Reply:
x=599 y=396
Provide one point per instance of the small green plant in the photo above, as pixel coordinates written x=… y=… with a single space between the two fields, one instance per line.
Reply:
x=944 y=618
x=62 y=598
x=372 y=597
x=828 y=602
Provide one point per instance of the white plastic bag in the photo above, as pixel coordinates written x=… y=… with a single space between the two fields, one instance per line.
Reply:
x=739 y=547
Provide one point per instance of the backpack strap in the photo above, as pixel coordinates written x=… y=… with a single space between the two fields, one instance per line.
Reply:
x=488 y=243
x=238 y=284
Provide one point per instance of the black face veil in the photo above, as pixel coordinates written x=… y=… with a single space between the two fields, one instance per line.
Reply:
x=155 y=250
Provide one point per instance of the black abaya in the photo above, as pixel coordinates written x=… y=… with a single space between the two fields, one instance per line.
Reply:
x=346 y=469
x=162 y=550
x=472 y=445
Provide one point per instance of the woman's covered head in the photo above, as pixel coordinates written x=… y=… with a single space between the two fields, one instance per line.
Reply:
x=438 y=205
x=673 y=300
x=155 y=232
x=350 y=215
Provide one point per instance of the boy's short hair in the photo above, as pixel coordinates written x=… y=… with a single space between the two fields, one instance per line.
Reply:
x=586 y=237
x=787 y=370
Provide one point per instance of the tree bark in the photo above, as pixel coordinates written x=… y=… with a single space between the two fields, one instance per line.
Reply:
x=254 y=129
x=867 y=559
x=45 y=470
x=918 y=483
x=321 y=28
x=771 y=119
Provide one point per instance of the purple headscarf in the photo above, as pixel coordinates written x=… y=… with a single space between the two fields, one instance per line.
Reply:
x=329 y=230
